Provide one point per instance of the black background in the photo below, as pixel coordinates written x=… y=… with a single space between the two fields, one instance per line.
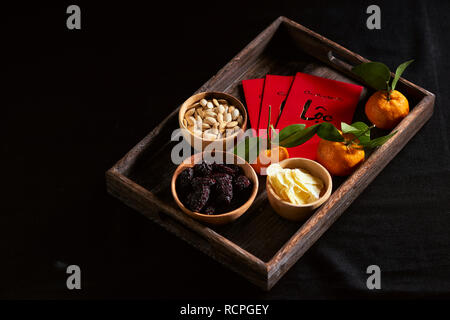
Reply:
x=77 y=101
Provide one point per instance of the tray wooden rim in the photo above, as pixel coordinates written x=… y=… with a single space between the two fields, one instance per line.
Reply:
x=266 y=274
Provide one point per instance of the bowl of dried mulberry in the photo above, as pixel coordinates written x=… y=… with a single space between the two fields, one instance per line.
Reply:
x=214 y=188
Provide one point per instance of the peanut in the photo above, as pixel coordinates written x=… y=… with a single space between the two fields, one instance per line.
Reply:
x=235 y=114
x=240 y=120
x=189 y=113
x=210 y=120
x=209 y=113
x=200 y=112
x=232 y=124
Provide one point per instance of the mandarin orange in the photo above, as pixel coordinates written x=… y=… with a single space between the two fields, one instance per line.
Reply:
x=269 y=156
x=384 y=112
x=340 y=158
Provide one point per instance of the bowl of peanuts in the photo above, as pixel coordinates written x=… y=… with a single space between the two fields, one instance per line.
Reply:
x=212 y=117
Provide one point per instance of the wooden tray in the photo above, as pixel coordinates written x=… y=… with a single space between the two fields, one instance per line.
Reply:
x=261 y=246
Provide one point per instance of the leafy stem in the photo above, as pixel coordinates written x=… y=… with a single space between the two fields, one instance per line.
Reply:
x=356 y=136
x=378 y=76
x=297 y=134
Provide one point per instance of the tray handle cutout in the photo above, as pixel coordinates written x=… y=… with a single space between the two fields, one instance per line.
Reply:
x=339 y=62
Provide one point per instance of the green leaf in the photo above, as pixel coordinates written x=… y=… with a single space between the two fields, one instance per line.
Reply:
x=359 y=129
x=361 y=126
x=248 y=149
x=378 y=141
x=299 y=137
x=364 y=132
x=398 y=73
x=346 y=128
x=288 y=131
x=375 y=74
x=329 y=132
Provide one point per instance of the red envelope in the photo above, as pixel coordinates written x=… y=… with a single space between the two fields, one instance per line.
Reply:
x=313 y=100
x=276 y=90
x=253 y=90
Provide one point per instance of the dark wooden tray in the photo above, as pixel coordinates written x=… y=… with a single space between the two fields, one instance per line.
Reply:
x=260 y=245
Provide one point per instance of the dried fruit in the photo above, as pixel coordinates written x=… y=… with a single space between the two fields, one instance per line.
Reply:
x=202 y=169
x=213 y=188
x=236 y=169
x=202 y=181
x=241 y=183
x=209 y=210
x=185 y=177
x=224 y=188
x=197 y=199
x=222 y=168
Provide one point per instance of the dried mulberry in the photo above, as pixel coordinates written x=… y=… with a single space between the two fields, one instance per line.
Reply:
x=209 y=210
x=222 y=168
x=198 y=199
x=213 y=188
x=241 y=183
x=185 y=178
x=203 y=181
x=224 y=188
x=237 y=169
x=202 y=169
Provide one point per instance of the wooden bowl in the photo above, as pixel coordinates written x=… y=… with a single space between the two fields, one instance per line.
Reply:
x=199 y=143
x=300 y=212
x=223 y=218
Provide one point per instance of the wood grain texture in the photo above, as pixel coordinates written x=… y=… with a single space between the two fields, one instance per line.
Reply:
x=261 y=246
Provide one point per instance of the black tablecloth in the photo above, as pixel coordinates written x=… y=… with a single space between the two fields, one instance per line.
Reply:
x=77 y=101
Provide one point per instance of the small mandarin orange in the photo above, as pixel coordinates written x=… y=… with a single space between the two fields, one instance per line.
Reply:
x=387 y=113
x=340 y=158
x=269 y=156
